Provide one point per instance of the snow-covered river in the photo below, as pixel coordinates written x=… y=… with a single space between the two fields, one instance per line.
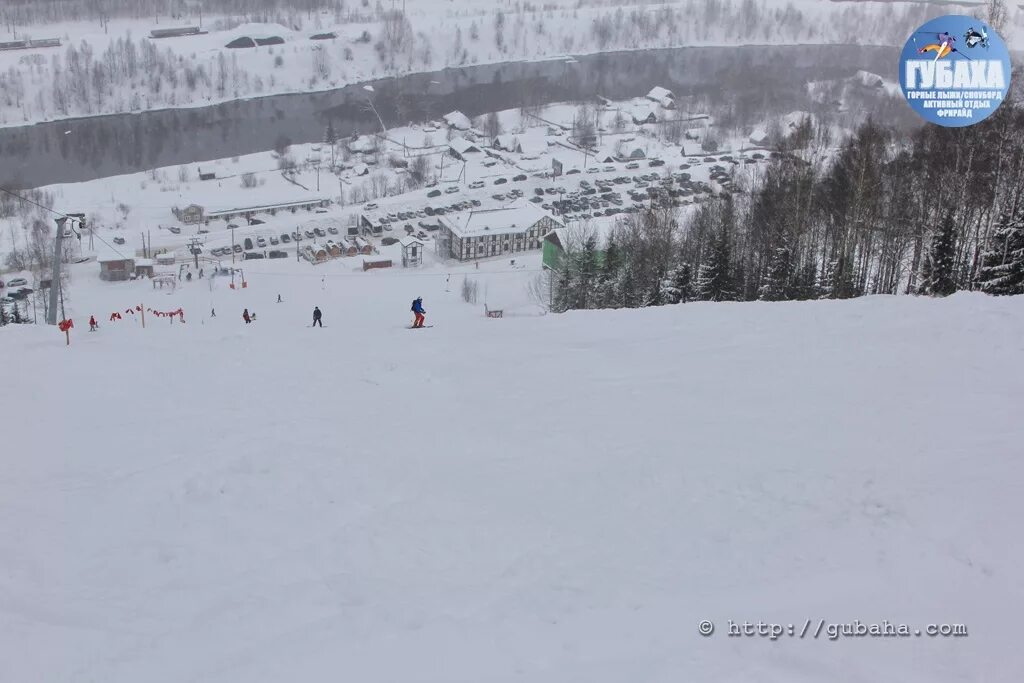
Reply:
x=755 y=80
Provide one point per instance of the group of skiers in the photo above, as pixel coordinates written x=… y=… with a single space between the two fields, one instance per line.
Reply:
x=418 y=312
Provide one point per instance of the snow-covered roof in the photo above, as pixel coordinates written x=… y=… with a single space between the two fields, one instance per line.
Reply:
x=462 y=145
x=143 y=262
x=213 y=212
x=456 y=119
x=643 y=112
x=659 y=93
x=573 y=235
x=409 y=241
x=509 y=219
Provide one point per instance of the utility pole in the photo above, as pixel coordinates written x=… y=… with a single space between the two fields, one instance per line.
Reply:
x=193 y=246
x=51 y=313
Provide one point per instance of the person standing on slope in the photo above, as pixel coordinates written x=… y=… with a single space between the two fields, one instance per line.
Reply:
x=245 y=316
x=417 y=308
x=316 y=317
x=92 y=323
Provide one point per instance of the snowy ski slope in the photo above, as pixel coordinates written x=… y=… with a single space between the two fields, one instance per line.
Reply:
x=544 y=499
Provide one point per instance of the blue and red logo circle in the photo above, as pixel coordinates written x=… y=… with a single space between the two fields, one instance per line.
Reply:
x=955 y=71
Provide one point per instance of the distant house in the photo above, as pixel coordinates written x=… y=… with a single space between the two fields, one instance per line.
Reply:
x=191 y=214
x=508 y=143
x=458 y=120
x=207 y=176
x=29 y=44
x=412 y=252
x=662 y=96
x=176 y=32
x=117 y=269
x=644 y=114
x=462 y=149
x=492 y=232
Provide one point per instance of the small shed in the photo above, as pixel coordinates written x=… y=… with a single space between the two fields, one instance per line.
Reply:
x=412 y=252
x=349 y=247
x=363 y=246
x=207 y=175
x=644 y=114
x=144 y=267
x=117 y=269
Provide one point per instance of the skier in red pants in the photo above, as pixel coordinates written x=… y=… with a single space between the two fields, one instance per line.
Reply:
x=417 y=308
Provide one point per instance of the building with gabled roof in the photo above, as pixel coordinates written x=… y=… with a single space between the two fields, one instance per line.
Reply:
x=461 y=148
x=493 y=232
x=456 y=119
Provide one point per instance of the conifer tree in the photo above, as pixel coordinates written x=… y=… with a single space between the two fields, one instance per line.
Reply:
x=1002 y=265
x=714 y=279
x=937 y=270
x=778 y=282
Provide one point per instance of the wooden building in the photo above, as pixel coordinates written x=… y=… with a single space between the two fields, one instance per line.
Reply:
x=493 y=232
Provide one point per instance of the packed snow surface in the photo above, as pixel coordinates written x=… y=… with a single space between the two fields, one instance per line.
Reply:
x=534 y=498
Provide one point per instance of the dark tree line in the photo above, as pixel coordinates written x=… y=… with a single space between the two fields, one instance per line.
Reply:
x=933 y=213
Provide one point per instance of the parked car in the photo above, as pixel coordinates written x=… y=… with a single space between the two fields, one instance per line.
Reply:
x=475 y=202
x=451 y=189
x=296 y=235
x=519 y=178
x=274 y=241
x=118 y=240
x=248 y=243
x=255 y=221
x=434 y=193
x=632 y=165
x=593 y=169
x=261 y=242
x=285 y=238
x=238 y=248
x=370 y=207
x=498 y=197
x=609 y=169
x=319 y=232
x=572 y=171
x=17 y=282
x=175 y=230
x=333 y=230
x=277 y=253
x=656 y=162
x=501 y=181
x=309 y=234
x=476 y=184
x=250 y=255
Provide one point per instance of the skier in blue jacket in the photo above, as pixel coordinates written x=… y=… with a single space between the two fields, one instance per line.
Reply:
x=417 y=308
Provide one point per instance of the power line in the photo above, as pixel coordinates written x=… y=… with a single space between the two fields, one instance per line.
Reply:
x=74 y=219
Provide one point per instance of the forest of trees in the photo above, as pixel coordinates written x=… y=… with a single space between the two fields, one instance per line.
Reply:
x=938 y=212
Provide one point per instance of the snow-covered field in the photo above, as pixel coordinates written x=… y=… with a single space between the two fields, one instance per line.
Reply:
x=535 y=498
x=117 y=68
